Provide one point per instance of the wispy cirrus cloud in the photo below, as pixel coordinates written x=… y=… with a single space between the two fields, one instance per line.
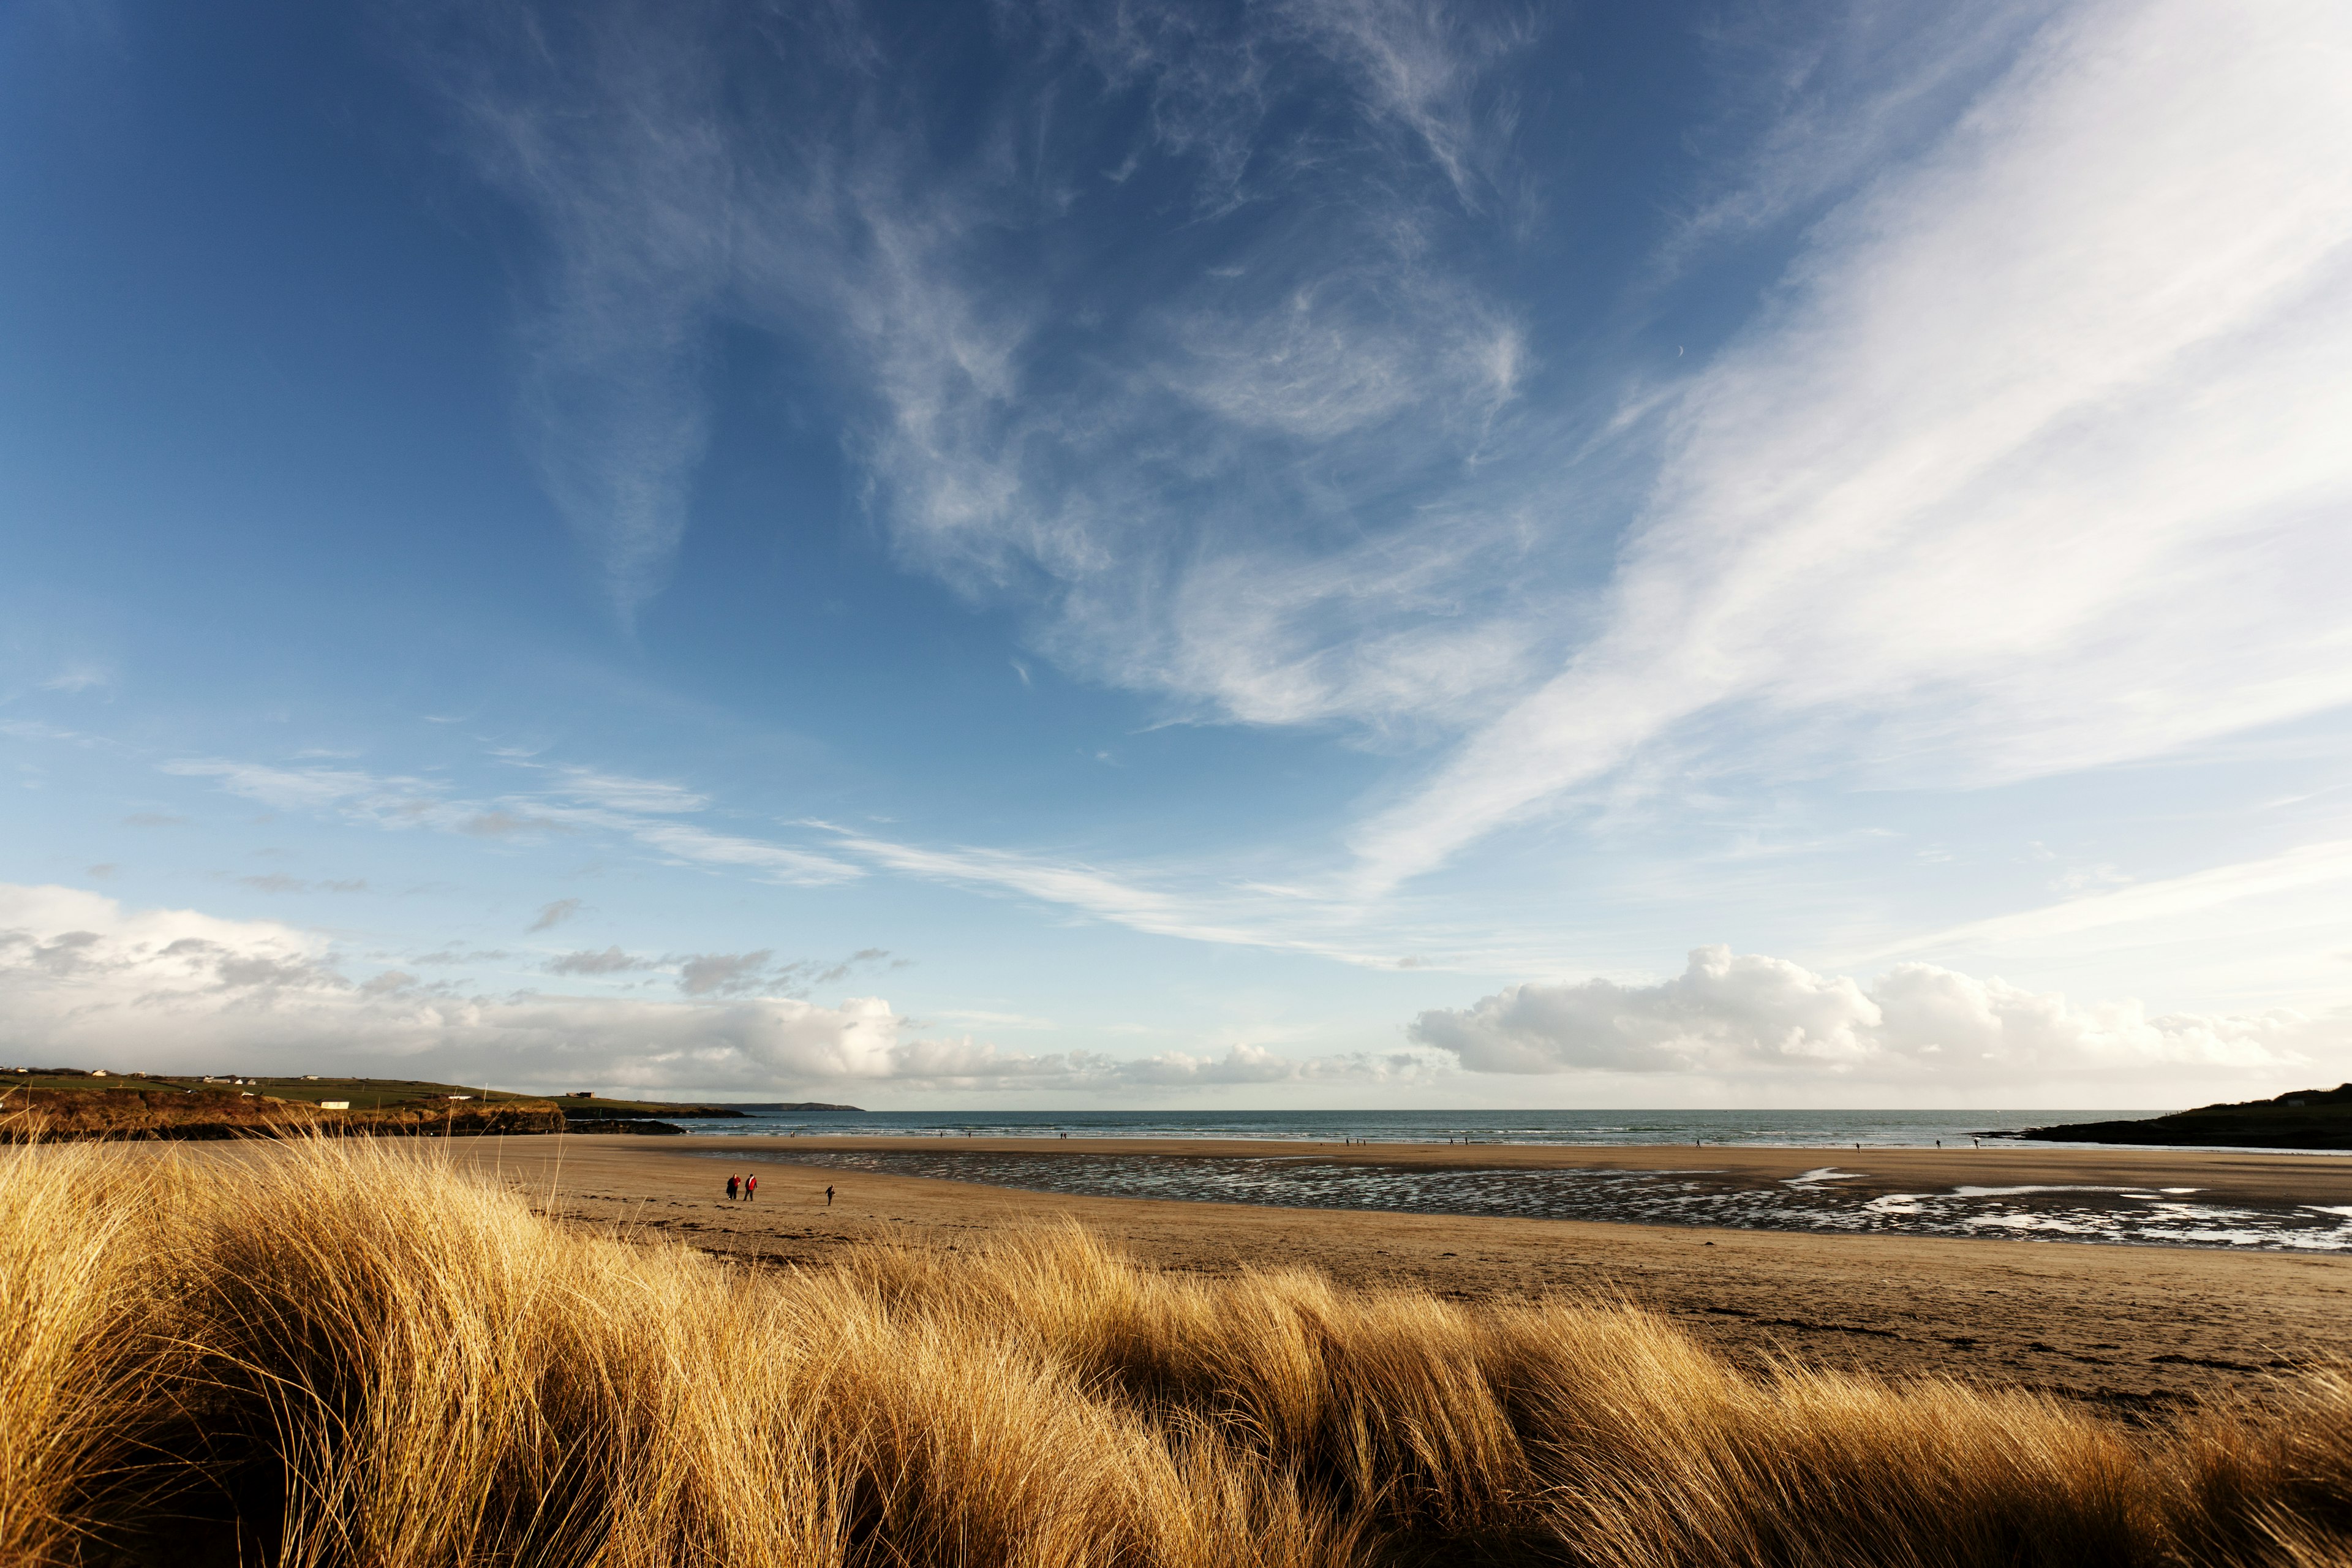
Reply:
x=2028 y=461
x=1301 y=359
x=2307 y=866
x=648 y=812
x=1194 y=909
x=278 y=882
x=2033 y=467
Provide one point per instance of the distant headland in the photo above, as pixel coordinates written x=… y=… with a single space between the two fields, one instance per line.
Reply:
x=78 y=1103
x=2302 y=1118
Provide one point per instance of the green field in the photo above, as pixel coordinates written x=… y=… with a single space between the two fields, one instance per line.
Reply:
x=364 y=1093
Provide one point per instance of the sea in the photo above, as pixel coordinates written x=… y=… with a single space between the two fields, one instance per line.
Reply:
x=1842 y=1193
x=1784 y=1128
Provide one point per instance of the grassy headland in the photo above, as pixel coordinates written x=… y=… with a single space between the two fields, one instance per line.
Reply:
x=2302 y=1118
x=71 y=1103
x=146 y=1110
x=352 y=1353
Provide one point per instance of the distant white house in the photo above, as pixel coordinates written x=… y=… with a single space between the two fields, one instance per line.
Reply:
x=334 y=1105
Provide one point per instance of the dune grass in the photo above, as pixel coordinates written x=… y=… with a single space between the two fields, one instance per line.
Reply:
x=346 y=1353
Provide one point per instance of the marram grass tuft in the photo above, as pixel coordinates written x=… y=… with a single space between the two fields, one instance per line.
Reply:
x=349 y=1355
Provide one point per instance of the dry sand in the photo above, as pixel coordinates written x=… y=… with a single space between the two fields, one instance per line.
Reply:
x=2137 y=1328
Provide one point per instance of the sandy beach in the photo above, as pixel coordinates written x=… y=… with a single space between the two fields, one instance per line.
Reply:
x=2127 y=1327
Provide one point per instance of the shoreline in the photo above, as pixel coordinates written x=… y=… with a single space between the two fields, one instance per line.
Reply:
x=2123 y=1162
x=2226 y=1201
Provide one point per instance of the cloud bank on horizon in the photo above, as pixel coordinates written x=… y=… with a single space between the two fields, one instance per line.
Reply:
x=1456 y=506
x=82 y=977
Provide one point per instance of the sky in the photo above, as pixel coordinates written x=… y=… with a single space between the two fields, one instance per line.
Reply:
x=1309 y=553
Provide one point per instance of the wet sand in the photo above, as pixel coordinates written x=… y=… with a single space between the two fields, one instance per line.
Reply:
x=2133 y=1328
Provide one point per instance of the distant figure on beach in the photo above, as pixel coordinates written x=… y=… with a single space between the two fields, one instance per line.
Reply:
x=828 y=1197
x=750 y=1188
x=731 y=1184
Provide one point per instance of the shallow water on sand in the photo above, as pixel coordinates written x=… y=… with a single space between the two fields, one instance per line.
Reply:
x=1818 y=1200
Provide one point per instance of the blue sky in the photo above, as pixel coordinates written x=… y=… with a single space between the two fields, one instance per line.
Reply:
x=1328 y=552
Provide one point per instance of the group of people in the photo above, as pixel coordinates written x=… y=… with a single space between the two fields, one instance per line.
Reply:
x=745 y=1188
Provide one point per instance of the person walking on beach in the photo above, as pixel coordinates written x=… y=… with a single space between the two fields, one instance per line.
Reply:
x=828 y=1197
x=730 y=1188
x=750 y=1187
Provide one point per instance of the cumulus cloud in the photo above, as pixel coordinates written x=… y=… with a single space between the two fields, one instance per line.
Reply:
x=84 y=979
x=1751 y=1017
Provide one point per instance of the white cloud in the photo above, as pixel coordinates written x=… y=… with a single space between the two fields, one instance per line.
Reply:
x=83 y=979
x=1420 y=63
x=1750 y=1018
x=1238 y=915
x=2039 y=461
x=296 y=788
x=623 y=792
x=643 y=809
x=775 y=861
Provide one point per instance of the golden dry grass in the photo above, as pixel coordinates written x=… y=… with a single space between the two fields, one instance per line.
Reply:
x=352 y=1354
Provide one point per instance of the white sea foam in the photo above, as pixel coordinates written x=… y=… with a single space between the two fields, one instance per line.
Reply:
x=2062 y=1225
